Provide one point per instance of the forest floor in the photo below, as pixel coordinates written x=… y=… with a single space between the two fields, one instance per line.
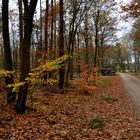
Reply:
x=102 y=114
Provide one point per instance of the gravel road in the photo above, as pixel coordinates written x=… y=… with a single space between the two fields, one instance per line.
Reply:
x=132 y=85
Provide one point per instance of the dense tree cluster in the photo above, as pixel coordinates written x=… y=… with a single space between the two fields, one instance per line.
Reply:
x=83 y=30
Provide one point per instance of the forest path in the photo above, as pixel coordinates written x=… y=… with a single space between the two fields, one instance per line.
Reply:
x=132 y=85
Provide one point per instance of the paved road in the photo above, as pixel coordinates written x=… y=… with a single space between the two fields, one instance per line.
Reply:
x=132 y=84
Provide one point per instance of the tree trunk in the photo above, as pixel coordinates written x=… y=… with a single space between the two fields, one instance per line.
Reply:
x=55 y=32
x=40 y=46
x=78 y=49
x=61 y=44
x=25 y=53
x=51 y=40
x=96 y=38
x=7 y=50
x=71 y=53
x=96 y=48
x=46 y=26
x=46 y=34
x=20 y=28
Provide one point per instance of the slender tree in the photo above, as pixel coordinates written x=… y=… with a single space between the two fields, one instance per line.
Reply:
x=7 y=50
x=55 y=26
x=46 y=25
x=20 y=26
x=40 y=46
x=52 y=28
x=61 y=44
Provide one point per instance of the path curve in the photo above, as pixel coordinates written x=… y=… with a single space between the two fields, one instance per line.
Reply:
x=132 y=85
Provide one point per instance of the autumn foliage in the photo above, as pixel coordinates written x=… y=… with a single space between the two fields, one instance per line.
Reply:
x=132 y=9
x=88 y=79
x=74 y=115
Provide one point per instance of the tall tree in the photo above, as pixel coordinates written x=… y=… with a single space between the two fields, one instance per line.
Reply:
x=7 y=50
x=29 y=10
x=46 y=25
x=86 y=37
x=52 y=21
x=20 y=26
x=40 y=46
x=135 y=36
x=96 y=21
x=101 y=15
x=61 y=44
x=46 y=32
x=56 y=12
x=76 y=17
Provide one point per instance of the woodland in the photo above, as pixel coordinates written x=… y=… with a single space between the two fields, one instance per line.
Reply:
x=59 y=69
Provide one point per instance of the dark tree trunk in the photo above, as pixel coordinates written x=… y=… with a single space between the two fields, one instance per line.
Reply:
x=102 y=54
x=61 y=44
x=71 y=53
x=96 y=38
x=40 y=46
x=25 y=53
x=7 y=50
x=20 y=28
x=72 y=33
x=70 y=49
x=78 y=49
x=96 y=47
x=46 y=25
x=46 y=34
x=55 y=32
x=86 y=40
x=51 y=40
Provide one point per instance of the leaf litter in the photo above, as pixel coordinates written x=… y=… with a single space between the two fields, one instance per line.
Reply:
x=68 y=116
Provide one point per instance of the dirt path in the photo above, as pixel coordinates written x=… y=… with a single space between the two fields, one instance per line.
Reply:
x=132 y=84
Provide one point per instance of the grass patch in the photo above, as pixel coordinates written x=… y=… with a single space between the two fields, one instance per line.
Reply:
x=97 y=122
x=109 y=100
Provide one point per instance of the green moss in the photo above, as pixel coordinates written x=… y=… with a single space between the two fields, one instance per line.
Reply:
x=108 y=100
x=97 y=122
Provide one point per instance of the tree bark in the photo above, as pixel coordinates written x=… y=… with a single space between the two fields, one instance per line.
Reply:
x=20 y=28
x=55 y=32
x=46 y=25
x=29 y=10
x=46 y=34
x=51 y=40
x=40 y=46
x=7 y=50
x=61 y=44
x=96 y=39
